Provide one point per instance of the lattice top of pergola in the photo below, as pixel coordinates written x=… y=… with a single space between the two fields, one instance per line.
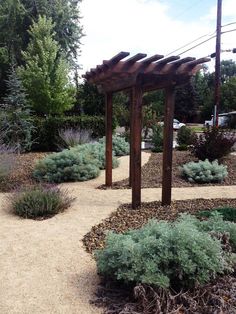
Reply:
x=151 y=73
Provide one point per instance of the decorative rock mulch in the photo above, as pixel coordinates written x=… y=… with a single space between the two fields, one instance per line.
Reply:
x=124 y=218
x=152 y=172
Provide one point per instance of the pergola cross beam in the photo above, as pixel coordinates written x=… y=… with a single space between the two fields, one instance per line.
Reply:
x=139 y=74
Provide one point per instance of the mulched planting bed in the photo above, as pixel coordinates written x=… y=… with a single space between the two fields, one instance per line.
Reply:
x=216 y=297
x=152 y=172
x=21 y=175
x=124 y=218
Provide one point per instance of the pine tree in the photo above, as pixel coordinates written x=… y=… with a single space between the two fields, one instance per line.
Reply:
x=15 y=116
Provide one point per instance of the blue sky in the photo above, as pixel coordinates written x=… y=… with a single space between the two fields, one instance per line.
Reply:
x=152 y=26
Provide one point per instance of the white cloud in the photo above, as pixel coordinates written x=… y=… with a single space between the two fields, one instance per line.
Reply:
x=136 y=26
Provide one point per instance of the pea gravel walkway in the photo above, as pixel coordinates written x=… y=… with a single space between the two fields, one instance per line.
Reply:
x=43 y=266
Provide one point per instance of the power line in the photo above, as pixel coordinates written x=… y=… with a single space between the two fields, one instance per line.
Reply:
x=229 y=31
x=203 y=42
x=193 y=41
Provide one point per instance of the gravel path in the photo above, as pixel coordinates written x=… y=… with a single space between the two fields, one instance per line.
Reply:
x=44 y=267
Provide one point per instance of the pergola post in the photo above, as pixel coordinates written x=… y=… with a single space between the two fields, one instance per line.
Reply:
x=108 y=139
x=136 y=130
x=168 y=145
x=130 y=137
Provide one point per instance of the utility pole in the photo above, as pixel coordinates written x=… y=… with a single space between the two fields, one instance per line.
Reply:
x=217 y=64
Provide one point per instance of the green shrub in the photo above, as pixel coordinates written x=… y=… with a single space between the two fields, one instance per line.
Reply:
x=39 y=202
x=164 y=254
x=204 y=171
x=97 y=151
x=185 y=137
x=157 y=138
x=227 y=213
x=68 y=165
x=46 y=133
x=213 y=144
x=120 y=146
x=81 y=163
x=216 y=224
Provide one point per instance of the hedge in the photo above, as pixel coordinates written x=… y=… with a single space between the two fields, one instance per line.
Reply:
x=46 y=129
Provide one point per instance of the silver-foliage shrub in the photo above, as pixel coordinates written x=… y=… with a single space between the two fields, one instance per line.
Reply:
x=97 y=151
x=80 y=163
x=204 y=171
x=120 y=146
x=165 y=254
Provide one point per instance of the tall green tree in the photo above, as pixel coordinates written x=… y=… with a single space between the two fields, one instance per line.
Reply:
x=15 y=116
x=16 y=18
x=45 y=74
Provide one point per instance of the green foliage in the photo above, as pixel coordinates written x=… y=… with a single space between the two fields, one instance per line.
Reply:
x=15 y=116
x=16 y=18
x=213 y=144
x=227 y=213
x=157 y=138
x=47 y=129
x=185 y=137
x=216 y=225
x=165 y=254
x=39 y=202
x=97 y=151
x=204 y=171
x=80 y=163
x=120 y=146
x=90 y=100
x=186 y=102
x=45 y=73
x=68 y=165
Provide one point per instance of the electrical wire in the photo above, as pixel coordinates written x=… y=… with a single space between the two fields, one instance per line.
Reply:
x=193 y=41
x=203 y=42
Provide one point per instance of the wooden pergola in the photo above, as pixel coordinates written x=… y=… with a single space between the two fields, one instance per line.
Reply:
x=138 y=75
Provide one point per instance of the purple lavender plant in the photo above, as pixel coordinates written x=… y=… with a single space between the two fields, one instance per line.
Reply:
x=72 y=137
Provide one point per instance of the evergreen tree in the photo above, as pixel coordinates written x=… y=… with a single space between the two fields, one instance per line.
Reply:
x=45 y=74
x=15 y=116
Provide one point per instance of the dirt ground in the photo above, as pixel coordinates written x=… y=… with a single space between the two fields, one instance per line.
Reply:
x=44 y=266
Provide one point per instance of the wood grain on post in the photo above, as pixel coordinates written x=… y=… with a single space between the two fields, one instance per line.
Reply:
x=168 y=145
x=108 y=139
x=136 y=145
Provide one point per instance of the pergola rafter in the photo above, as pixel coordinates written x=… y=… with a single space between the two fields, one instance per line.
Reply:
x=139 y=74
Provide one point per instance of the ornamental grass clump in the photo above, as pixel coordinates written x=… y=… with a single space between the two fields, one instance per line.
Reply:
x=73 y=137
x=120 y=146
x=39 y=202
x=204 y=172
x=166 y=254
x=7 y=162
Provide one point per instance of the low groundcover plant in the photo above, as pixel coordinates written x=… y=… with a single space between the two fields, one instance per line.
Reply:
x=184 y=253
